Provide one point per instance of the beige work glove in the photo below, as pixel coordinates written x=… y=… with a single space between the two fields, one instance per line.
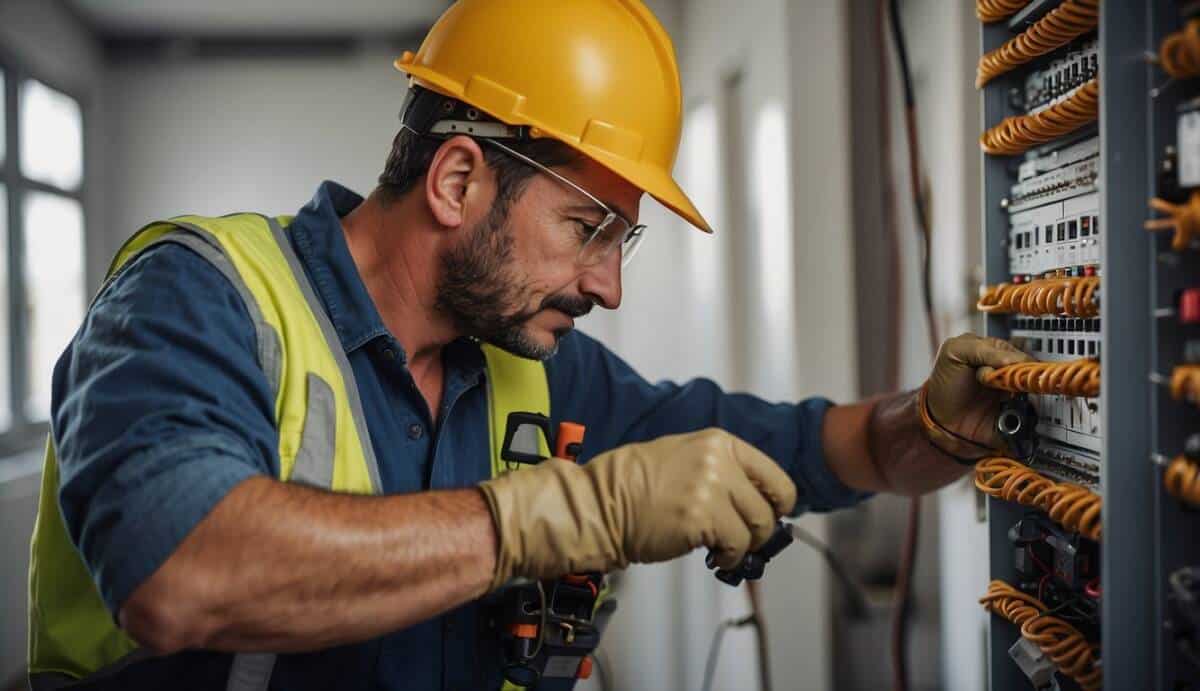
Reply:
x=963 y=411
x=644 y=502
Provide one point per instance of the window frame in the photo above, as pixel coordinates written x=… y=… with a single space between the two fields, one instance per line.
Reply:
x=23 y=433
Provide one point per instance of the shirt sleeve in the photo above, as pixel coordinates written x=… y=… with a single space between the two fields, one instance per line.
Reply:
x=591 y=385
x=159 y=408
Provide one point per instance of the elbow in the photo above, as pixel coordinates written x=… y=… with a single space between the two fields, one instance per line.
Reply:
x=162 y=619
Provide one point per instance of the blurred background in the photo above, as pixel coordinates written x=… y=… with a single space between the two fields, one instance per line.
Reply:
x=118 y=112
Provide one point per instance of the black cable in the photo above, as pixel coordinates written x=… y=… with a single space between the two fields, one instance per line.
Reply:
x=857 y=600
x=602 y=677
x=908 y=553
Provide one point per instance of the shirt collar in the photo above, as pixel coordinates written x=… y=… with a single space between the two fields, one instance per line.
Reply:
x=316 y=234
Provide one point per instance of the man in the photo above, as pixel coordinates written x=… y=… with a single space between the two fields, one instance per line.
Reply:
x=241 y=383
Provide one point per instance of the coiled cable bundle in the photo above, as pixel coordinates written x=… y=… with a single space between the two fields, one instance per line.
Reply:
x=1060 y=26
x=1059 y=640
x=990 y=11
x=1065 y=297
x=1067 y=378
x=1183 y=219
x=1074 y=507
x=1185 y=384
x=1020 y=133
x=1182 y=480
x=1179 y=53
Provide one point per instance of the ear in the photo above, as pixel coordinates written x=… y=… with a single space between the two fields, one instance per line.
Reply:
x=455 y=165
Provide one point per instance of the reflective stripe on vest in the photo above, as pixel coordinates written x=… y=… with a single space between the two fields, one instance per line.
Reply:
x=323 y=438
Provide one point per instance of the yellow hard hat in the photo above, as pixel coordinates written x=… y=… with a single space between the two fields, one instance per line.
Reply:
x=598 y=75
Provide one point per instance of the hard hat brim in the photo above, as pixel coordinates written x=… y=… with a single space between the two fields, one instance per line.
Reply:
x=648 y=178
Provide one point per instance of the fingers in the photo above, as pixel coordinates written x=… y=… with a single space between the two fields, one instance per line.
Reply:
x=728 y=539
x=754 y=511
x=765 y=474
x=974 y=351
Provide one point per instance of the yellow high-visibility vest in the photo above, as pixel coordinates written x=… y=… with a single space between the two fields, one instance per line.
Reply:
x=323 y=436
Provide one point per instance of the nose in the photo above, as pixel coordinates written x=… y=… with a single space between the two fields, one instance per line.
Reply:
x=602 y=282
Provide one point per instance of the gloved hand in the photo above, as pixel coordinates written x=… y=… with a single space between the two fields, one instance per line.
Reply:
x=963 y=409
x=644 y=502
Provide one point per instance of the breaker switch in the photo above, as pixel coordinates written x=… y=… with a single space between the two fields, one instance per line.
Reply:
x=1189 y=306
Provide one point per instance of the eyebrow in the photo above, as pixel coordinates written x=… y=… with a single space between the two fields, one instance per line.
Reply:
x=592 y=207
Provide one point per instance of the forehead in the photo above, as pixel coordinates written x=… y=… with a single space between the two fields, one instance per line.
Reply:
x=608 y=187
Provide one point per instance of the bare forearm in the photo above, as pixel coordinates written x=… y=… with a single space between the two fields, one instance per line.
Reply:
x=877 y=445
x=282 y=568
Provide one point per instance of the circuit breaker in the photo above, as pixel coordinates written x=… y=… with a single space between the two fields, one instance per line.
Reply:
x=1091 y=198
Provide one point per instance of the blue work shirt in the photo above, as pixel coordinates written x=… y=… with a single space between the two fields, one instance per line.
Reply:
x=160 y=408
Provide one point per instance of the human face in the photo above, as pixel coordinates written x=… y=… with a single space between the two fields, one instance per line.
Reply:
x=518 y=280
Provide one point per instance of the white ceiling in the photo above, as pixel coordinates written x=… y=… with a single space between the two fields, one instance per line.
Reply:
x=273 y=17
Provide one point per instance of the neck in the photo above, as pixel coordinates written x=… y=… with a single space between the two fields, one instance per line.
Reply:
x=395 y=251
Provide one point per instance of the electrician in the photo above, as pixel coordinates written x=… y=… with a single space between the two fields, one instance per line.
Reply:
x=243 y=385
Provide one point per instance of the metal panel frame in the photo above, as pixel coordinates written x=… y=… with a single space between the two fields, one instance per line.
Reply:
x=1131 y=642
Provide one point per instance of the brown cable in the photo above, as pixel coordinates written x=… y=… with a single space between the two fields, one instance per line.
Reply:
x=1182 y=219
x=1072 y=506
x=1020 y=133
x=1066 y=647
x=1182 y=480
x=1185 y=384
x=1179 y=53
x=990 y=11
x=1064 y=297
x=1066 y=378
x=1060 y=26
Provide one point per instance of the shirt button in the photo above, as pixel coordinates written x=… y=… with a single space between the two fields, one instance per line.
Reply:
x=415 y=431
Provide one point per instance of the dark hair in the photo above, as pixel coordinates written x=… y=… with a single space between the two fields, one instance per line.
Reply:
x=412 y=153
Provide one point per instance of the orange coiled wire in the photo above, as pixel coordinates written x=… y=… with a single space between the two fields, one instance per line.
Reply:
x=1067 y=297
x=990 y=11
x=1060 y=26
x=1179 y=53
x=1183 y=219
x=1072 y=506
x=1185 y=383
x=1020 y=133
x=1067 y=378
x=1059 y=640
x=1182 y=480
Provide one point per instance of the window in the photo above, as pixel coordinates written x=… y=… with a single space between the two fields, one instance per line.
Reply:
x=41 y=246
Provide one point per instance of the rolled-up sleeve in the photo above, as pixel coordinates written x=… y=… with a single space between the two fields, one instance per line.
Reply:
x=159 y=409
x=591 y=385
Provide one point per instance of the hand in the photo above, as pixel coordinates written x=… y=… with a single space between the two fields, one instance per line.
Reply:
x=644 y=502
x=959 y=403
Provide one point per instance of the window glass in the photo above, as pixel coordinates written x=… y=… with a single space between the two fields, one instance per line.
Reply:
x=53 y=263
x=51 y=135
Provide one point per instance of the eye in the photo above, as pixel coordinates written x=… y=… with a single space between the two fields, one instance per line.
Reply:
x=585 y=229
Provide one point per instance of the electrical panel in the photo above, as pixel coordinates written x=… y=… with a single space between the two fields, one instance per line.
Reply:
x=1091 y=110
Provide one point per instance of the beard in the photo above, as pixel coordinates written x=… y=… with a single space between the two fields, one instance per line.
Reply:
x=486 y=299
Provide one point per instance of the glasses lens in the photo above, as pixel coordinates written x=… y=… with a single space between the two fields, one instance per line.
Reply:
x=608 y=234
x=633 y=240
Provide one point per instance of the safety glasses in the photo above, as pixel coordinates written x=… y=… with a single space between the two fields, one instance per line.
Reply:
x=615 y=231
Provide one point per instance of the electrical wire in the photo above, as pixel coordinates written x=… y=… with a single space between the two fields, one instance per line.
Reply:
x=1073 y=507
x=1075 y=296
x=1020 y=133
x=908 y=552
x=1185 y=384
x=760 y=634
x=714 y=648
x=990 y=11
x=1067 y=378
x=1183 y=219
x=1179 y=53
x=1060 y=26
x=1182 y=480
x=1060 y=641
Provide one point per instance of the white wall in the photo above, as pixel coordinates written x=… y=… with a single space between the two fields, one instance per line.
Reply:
x=51 y=45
